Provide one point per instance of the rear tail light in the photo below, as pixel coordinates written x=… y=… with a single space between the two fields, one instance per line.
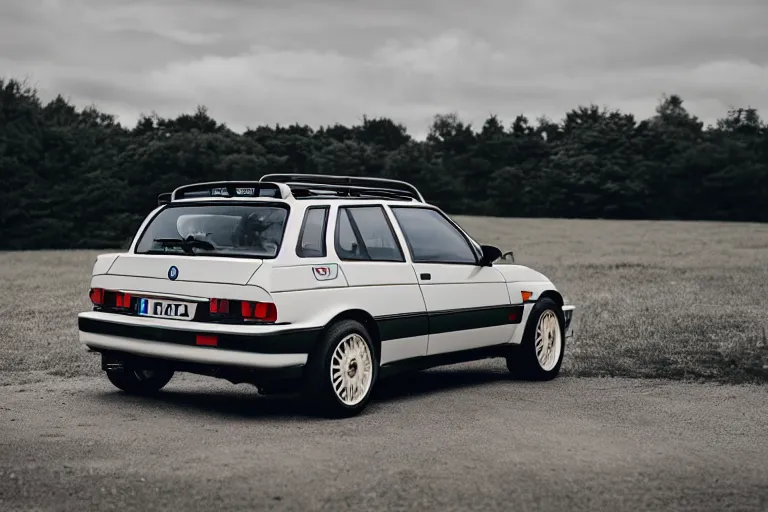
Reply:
x=233 y=309
x=123 y=300
x=110 y=299
x=263 y=311
x=219 y=306
x=97 y=296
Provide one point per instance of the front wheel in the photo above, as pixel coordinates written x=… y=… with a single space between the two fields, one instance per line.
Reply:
x=342 y=371
x=140 y=382
x=540 y=354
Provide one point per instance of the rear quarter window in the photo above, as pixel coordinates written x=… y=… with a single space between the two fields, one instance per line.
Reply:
x=311 y=242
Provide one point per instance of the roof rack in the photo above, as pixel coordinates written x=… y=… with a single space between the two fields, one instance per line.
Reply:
x=284 y=186
x=348 y=185
x=226 y=189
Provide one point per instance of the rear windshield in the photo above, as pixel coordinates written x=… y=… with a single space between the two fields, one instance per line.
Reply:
x=216 y=230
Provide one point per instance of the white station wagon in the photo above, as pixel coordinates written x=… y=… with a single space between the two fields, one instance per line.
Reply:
x=314 y=284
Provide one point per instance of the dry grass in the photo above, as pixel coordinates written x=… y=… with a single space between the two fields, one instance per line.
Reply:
x=42 y=292
x=654 y=299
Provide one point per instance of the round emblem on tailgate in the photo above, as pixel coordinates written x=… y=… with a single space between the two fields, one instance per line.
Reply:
x=173 y=273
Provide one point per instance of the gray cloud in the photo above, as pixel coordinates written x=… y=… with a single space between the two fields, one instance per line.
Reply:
x=321 y=62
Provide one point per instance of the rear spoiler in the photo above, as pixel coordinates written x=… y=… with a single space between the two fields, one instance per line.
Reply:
x=226 y=189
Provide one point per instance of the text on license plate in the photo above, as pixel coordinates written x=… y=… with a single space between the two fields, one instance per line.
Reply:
x=165 y=309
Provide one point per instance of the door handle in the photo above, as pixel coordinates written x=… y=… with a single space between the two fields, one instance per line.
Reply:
x=425 y=277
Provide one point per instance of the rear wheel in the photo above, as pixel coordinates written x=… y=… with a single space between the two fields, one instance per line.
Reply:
x=341 y=372
x=540 y=353
x=140 y=382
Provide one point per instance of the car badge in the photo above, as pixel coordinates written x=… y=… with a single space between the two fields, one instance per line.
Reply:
x=326 y=272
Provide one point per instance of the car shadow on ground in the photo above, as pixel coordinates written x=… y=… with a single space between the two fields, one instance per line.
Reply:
x=243 y=401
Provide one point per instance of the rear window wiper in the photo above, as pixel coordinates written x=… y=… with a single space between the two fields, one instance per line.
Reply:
x=186 y=244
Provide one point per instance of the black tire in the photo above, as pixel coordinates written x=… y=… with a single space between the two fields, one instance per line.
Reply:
x=140 y=382
x=522 y=360
x=319 y=395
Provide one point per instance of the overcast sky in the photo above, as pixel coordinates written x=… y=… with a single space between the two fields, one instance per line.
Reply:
x=319 y=62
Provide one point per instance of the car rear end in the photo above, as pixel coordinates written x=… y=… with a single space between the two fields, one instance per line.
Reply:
x=186 y=295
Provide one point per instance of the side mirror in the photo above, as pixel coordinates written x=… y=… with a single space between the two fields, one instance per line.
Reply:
x=490 y=254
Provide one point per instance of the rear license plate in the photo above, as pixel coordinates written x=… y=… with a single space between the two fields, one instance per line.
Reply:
x=165 y=309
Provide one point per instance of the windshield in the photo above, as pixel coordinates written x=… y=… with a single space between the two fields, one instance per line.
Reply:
x=216 y=230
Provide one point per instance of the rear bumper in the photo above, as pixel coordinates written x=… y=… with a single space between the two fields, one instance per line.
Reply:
x=213 y=356
x=267 y=348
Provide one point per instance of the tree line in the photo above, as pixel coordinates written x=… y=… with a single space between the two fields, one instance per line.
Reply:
x=76 y=178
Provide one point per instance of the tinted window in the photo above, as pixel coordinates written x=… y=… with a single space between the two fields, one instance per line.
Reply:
x=432 y=238
x=216 y=230
x=312 y=239
x=364 y=233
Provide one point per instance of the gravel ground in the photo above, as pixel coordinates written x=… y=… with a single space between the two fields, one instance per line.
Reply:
x=459 y=438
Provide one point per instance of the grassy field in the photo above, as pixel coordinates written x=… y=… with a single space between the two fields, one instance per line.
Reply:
x=677 y=300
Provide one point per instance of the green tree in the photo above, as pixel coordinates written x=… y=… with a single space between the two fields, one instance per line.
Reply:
x=74 y=177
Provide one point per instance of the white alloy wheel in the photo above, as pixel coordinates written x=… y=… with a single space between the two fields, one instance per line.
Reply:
x=351 y=369
x=548 y=340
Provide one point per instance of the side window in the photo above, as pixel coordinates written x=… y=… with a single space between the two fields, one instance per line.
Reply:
x=432 y=238
x=364 y=233
x=311 y=242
